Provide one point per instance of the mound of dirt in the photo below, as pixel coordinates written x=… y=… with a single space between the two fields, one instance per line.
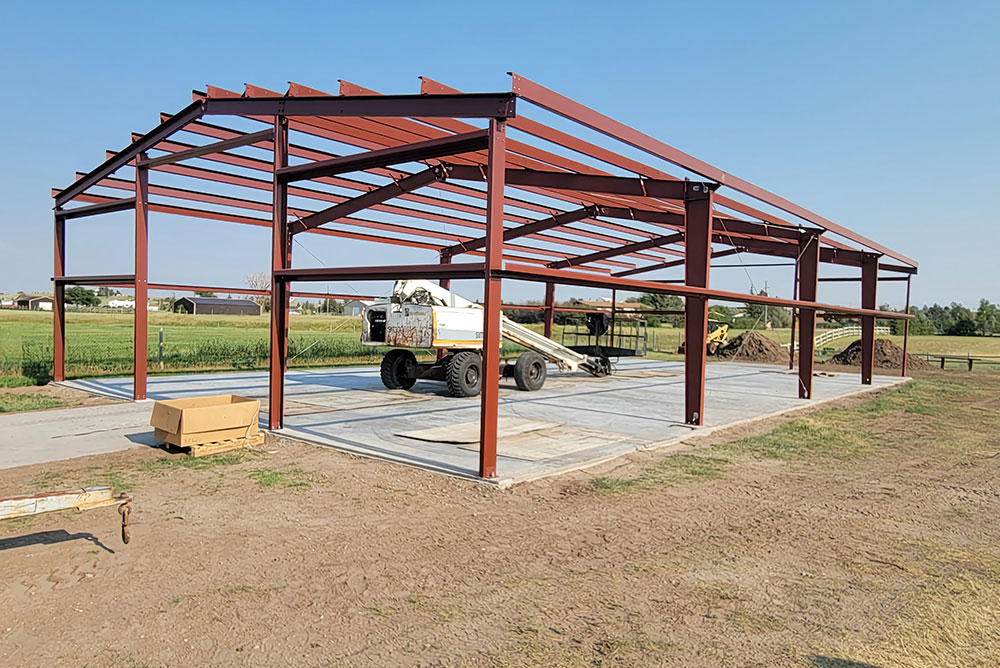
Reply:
x=887 y=356
x=753 y=347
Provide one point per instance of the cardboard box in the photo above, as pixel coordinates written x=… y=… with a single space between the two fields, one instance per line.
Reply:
x=187 y=422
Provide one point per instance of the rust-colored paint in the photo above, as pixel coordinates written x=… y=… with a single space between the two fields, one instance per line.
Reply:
x=808 y=265
x=141 y=322
x=869 y=288
x=698 y=248
x=59 y=303
x=490 y=393
x=281 y=257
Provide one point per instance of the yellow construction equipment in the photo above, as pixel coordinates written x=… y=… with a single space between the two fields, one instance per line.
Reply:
x=718 y=336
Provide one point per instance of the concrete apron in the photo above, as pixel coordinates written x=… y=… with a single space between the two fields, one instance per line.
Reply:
x=584 y=421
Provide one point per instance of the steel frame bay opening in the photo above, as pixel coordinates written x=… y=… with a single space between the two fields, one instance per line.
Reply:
x=465 y=175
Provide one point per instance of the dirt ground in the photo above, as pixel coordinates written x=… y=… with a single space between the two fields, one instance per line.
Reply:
x=799 y=541
x=66 y=397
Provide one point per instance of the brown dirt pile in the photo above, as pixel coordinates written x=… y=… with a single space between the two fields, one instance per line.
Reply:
x=753 y=347
x=887 y=356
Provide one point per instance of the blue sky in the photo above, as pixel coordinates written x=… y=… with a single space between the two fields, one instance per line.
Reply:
x=880 y=116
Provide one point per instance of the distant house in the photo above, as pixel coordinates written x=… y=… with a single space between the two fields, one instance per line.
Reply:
x=33 y=302
x=6 y=303
x=215 y=306
x=121 y=303
x=356 y=306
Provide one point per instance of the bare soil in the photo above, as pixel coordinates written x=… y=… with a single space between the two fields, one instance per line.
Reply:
x=302 y=556
x=887 y=356
x=753 y=346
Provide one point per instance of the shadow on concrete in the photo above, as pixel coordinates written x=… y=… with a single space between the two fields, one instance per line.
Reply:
x=145 y=438
x=49 y=538
x=833 y=662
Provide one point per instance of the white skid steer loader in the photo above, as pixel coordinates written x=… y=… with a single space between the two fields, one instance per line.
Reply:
x=423 y=315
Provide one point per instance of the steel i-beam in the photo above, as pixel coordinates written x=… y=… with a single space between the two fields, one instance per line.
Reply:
x=490 y=394
x=281 y=258
x=698 y=257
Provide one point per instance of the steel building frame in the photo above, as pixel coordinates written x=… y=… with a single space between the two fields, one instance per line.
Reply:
x=595 y=219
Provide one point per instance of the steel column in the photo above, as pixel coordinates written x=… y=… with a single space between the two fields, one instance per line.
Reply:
x=141 y=328
x=869 y=287
x=446 y=284
x=697 y=259
x=59 y=303
x=281 y=258
x=808 y=283
x=491 y=299
x=550 y=301
x=795 y=295
x=614 y=310
x=906 y=329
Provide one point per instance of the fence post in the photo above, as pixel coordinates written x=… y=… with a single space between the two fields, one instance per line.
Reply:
x=159 y=354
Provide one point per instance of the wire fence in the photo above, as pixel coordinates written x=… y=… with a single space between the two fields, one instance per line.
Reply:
x=110 y=355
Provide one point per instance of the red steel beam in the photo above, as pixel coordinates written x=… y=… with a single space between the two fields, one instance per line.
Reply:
x=181 y=193
x=621 y=250
x=550 y=300
x=519 y=153
x=249 y=291
x=869 y=288
x=260 y=184
x=906 y=330
x=474 y=105
x=808 y=272
x=536 y=159
x=190 y=113
x=563 y=106
x=141 y=315
x=697 y=261
x=109 y=281
x=377 y=196
x=568 y=141
x=281 y=259
x=459 y=271
x=321 y=131
x=612 y=185
x=522 y=272
x=123 y=204
x=565 y=140
x=676 y=263
x=490 y=392
x=59 y=302
x=207 y=149
x=557 y=220
x=432 y=148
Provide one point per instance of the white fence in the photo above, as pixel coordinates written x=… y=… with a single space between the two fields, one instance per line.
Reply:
x=834 y=334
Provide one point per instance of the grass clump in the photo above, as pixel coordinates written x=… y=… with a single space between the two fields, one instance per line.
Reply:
x=671 y=470
x=16 y=381
x=820 y=434
x=175 y=462
x=287 y=479
x=14 y=403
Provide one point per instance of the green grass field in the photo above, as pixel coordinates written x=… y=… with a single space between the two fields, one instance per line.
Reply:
x=101 y=343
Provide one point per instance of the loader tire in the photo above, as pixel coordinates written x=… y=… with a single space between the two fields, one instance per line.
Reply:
x=465 y=374
x=530 y=372
x=396 y=367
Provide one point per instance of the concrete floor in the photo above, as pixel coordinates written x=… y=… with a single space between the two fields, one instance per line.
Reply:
x=348 y=409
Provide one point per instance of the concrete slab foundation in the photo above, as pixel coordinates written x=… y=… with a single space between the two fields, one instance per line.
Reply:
x=348 y=409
